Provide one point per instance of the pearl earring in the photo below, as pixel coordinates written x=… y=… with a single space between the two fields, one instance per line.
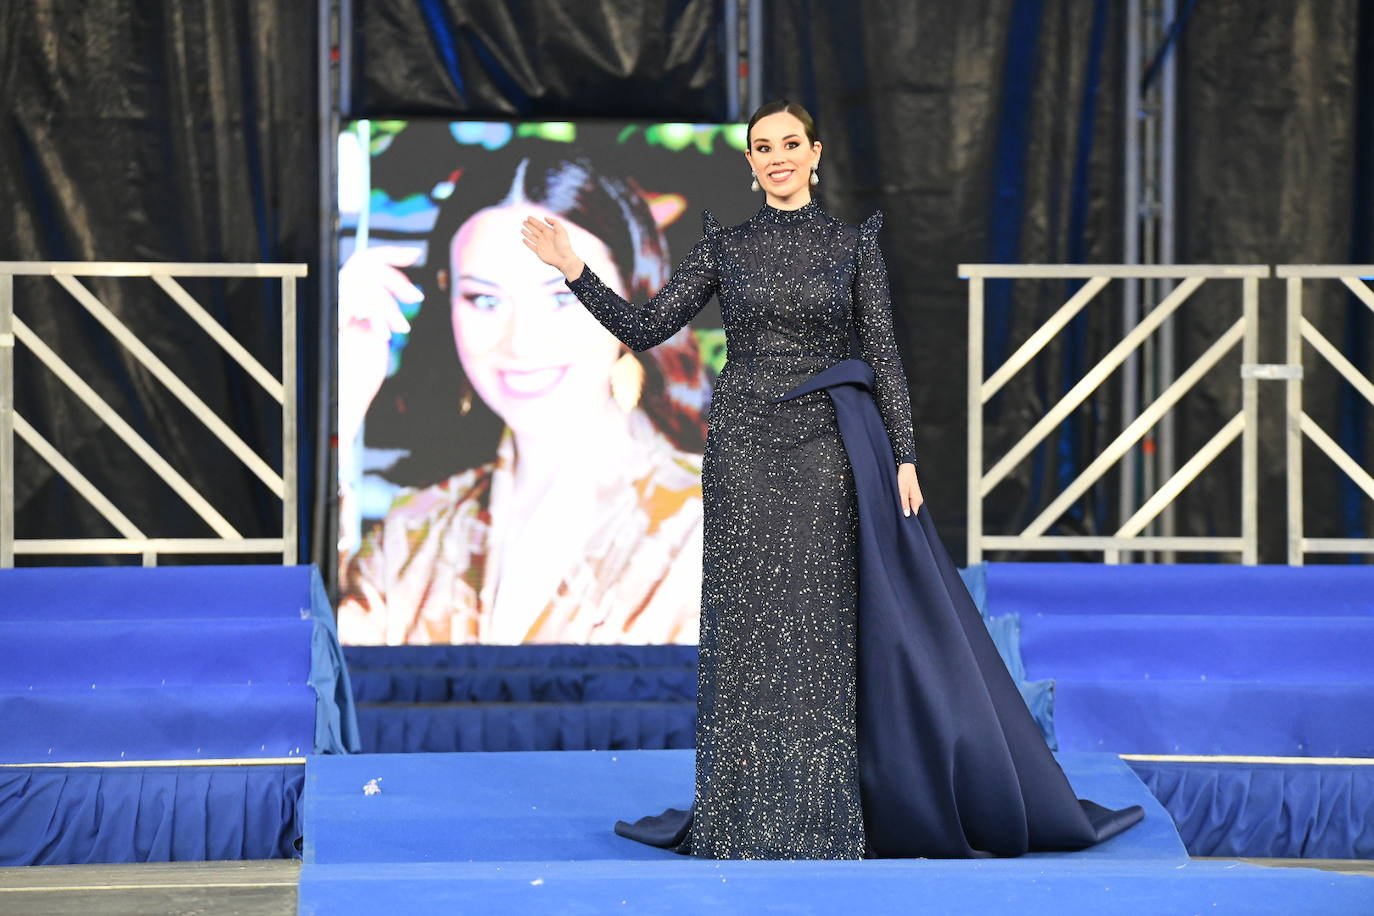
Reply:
x=815 y=179
x=754 y=185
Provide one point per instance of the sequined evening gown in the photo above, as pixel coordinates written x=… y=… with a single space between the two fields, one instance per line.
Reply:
x=779 y=773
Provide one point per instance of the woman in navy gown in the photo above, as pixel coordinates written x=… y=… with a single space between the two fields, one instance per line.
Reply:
x=850 y=701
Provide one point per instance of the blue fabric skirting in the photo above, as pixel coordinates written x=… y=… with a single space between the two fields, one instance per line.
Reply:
x=1321 y=811
x=79 y=815
x=526 y=685
x=441 y=728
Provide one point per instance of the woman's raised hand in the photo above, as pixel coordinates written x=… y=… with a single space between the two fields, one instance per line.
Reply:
x=371 y=289
x=548 y=239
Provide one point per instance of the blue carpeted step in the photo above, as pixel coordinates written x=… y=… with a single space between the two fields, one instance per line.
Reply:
x=1194 y=646
x=1185 y=588
x=442 y=727
x=114 y=592
x=524 y=685
x=1216 y=717
x=147 y=723
x=130 y=652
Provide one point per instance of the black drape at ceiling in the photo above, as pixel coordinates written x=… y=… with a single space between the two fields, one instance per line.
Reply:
x=157 y=131
x=593 y=58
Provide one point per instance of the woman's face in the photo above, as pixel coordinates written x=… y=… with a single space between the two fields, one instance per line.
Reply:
x=528 y=346
x=780 y=155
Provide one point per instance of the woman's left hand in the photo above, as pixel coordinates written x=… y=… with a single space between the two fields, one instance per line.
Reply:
x=909 y=488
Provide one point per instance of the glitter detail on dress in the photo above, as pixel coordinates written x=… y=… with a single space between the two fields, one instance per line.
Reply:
x=776 y=759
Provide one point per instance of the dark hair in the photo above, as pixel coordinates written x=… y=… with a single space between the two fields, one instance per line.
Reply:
x=777 y=105
x=408 y=414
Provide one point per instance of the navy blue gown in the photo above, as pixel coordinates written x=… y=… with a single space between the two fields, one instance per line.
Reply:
x=850 y=702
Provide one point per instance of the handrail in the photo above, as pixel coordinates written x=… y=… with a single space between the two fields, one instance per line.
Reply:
x=282 y=482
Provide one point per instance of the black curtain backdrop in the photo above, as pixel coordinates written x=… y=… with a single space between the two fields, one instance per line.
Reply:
x=592 y=58
x=986 y=131
x=157 y=131
x=992 y=131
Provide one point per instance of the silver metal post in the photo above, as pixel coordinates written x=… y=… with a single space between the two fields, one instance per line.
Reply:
x=324 y=522
x=1249 y=487
x=732 y=82
x=290 y=463
x=1168 y=254
x=756 y=12
x=1130 y=290
x=1293 y=421
x=6 y=420
x=975 y=420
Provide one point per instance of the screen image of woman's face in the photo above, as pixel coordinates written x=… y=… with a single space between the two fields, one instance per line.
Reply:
x=529 y=348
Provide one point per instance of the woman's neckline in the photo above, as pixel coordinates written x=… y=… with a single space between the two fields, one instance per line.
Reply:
x=771 y=214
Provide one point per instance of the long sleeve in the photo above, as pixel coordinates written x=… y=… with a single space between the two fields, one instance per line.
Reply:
x=687 y=291
x=878 y=342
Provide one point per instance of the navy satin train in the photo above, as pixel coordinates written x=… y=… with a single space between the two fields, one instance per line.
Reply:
x=951 y=762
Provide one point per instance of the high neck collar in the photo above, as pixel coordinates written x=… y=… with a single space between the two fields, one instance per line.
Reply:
x=770 y=214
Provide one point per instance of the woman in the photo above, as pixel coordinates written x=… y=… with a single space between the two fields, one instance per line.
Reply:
x=850 y=700
x=585 y=526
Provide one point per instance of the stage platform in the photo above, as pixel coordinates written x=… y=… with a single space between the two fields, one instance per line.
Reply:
x=531 y=832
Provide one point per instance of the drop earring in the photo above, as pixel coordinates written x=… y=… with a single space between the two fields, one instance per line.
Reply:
x=627 y=380
x=815 y=178
x=754 y=185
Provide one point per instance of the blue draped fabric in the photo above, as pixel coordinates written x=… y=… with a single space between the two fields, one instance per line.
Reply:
x=951 y=762
x=1321 y=811
x=77 y=815
x=336 y=717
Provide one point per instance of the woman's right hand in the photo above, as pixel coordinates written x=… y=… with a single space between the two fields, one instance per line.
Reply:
x=371 y=289
x=549 y=240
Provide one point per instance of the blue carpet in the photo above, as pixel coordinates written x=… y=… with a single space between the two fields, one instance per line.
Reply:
x=527 y=833
x=560 y=806
x=1183 y=588
x=1199 y=658
x=1198 y=647
x=128 y=663
x=963 y=888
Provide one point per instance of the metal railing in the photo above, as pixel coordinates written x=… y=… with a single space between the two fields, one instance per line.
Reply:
x=282 y=482
x=1299 y=425
x=1243 y=425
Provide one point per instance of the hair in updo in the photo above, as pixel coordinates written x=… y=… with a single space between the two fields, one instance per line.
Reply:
x=792 y=108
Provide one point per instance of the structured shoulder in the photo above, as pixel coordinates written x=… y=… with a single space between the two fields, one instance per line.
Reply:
x=868 y=229
x=709 y=224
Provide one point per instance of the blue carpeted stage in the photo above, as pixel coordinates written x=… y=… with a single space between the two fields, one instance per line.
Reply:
x=530 y=832
x=190 y=695
x=158 y=673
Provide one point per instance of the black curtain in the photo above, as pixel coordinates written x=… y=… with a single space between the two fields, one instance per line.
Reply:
x=986 y=131
x=157 y=131
x=593 y=58
x=1275 y=168
x=992 y=132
